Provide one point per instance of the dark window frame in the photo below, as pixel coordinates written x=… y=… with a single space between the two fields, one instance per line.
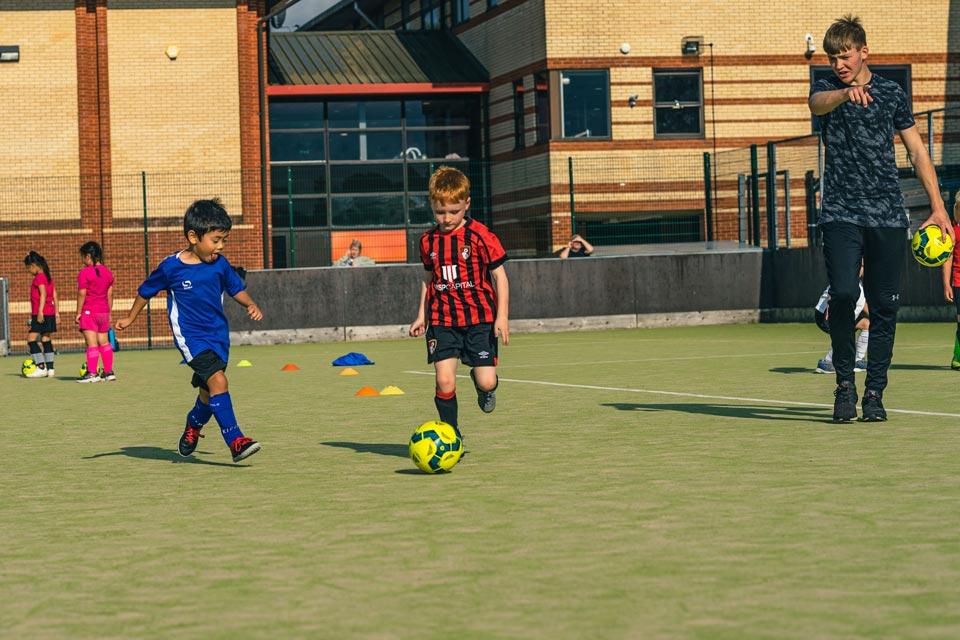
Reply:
x=562 y=106
x=661 y=102
x=519 y=126
x=541 y=89
x=460 y=10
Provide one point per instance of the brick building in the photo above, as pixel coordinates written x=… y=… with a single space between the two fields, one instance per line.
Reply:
x=594 y=116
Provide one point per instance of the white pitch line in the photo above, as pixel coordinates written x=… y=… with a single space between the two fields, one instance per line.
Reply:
x=692 y=395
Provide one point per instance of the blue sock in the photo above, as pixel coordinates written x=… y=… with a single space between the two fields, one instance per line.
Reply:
x=222 y=409
x=199 y=415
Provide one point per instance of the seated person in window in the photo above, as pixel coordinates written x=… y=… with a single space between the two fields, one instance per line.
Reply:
x=576 y=248
x=352 y=257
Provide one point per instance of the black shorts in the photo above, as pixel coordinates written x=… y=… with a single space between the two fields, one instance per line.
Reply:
x=824 y=324
x=476 y=345
x=49 y=324
x=205 y=365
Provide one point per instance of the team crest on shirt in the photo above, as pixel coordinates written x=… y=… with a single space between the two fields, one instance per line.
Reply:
x=187 y=284
x=465 y=252
x=431 y=346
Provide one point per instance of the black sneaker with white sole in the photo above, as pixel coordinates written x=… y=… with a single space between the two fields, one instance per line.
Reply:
x=845 y=403
x=243 y=448
x=188 y=441
x=873 y=410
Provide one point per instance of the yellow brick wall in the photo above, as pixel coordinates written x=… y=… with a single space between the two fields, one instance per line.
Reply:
x=39 y=133
x=174 y=115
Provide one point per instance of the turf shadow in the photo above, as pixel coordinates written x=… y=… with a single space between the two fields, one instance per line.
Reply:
x=157 y=453
x=920 y=367
x=792 y=414
x=390 y=449
x=790 y=370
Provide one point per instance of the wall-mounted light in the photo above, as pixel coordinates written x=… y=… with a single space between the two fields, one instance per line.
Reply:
x=625 y=48
x=633 y=100
x=10 y=53
x=811 y=48
x=172 y=51
x=690 y=45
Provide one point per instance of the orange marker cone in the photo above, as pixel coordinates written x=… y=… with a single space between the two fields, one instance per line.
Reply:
x=349 y=372
x=367 y=391
x=290 y=367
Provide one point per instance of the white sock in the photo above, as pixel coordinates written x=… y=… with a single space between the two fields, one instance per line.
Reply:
x=862 y=341
x=829 y=357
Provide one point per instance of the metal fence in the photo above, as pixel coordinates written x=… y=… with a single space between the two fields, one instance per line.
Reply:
x=769 y=195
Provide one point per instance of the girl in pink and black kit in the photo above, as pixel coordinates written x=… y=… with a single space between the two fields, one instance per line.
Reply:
x=43 y=315
x=94 y=301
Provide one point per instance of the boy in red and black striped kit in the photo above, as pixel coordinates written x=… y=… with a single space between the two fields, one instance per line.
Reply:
x=464 y=301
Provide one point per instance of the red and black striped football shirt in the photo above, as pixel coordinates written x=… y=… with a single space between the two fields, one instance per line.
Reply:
x=461 y=292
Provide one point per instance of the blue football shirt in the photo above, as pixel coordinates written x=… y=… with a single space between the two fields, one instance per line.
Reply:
x=195 y=302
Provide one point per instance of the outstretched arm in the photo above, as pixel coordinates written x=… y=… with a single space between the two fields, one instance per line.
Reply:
x=826 y=101
x=253 y=311
x=138 y=304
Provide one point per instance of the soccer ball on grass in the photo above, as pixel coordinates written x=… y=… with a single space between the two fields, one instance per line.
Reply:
x=83 y=370
x=931 y=246
x=435 y=447
x=28 y=367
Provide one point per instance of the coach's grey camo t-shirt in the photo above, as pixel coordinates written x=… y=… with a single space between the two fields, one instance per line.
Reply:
x=860 y=183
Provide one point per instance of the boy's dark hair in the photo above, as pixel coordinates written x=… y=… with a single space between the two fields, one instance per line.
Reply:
x=844 y=34
x=204 y=216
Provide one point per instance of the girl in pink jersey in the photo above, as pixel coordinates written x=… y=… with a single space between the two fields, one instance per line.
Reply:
x=94 y=301
x=44 y=313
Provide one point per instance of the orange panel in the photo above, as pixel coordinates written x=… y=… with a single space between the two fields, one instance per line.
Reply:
x=382 y=246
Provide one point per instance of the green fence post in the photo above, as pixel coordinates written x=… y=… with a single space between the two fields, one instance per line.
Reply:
x=708 y=195
x=573 y=212
x=293 y=250
x=146 y=252
x=755 y=193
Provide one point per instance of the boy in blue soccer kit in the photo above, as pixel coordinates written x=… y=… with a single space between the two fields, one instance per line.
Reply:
x=862 y=216
x=195 y=280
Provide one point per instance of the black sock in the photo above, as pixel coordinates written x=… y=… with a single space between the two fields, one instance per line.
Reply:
x=447 y=407
x=37 y=354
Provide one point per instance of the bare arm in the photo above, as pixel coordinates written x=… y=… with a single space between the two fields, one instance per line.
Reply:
x=501 y=325
x=419 y=325
x=138 y=304
x=81 y=297
x=110 y=297
x=43 y=301
x=917 y=153
x=253 y=311
x=586 y=245
x=565 y=252
x=947 y=284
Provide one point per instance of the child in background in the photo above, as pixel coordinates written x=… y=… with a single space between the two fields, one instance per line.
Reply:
x=94 y=302
x=195 y=280
x=821 y=312
x=465 y=296
x=951 y=284
x=44 y=313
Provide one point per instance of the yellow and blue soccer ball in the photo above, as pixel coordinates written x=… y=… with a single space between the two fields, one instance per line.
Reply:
x=28 y=367
x=931 y=246
x=83 y=370
x=435 y=447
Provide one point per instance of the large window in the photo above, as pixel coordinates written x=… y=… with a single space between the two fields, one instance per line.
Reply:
x=678 y=103
x=365 y=163
x=519 y=129
x=431 y=16
x=461 y=11
x=899 y=73
x=585 y=104
x=541 y=85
